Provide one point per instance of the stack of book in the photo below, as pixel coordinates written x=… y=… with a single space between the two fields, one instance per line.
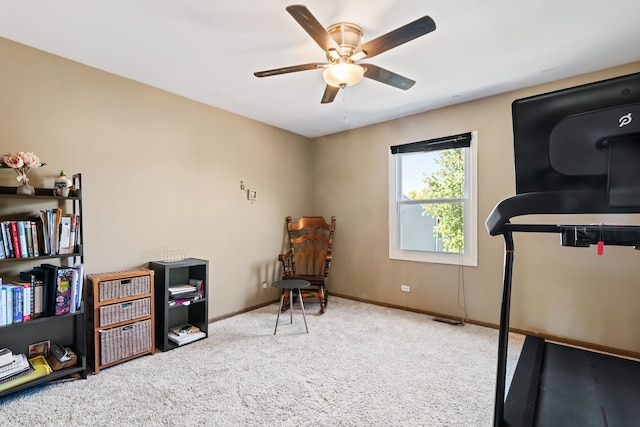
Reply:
x=183 y=294
x=27 y=370
x=185 y=334
x=19 y=367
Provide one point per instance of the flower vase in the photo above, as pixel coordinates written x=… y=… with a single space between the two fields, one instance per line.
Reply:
x=26 y=189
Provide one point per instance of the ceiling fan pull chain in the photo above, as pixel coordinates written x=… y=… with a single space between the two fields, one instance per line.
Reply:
x=344 y=105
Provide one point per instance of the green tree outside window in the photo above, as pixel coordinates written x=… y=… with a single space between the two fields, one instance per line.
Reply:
x=446 y=183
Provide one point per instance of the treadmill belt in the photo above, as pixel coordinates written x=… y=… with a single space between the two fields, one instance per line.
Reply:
x=582 y=388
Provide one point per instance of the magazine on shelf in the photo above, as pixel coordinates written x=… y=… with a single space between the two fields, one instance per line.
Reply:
x=185 y=333
x=184 y=298
x=184 y=329
x=181 y=289
x=186 y=339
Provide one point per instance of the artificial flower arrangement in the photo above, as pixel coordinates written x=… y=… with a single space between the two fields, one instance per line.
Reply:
x=21 y=162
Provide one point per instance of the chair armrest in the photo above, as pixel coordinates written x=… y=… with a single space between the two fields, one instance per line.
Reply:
x=288 y=262
x=327 y=263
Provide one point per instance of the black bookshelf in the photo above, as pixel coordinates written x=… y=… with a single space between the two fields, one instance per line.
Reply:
x=167 y=315
x=68 y=330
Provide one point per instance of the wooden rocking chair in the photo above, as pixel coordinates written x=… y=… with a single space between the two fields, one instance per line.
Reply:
x=309 y=255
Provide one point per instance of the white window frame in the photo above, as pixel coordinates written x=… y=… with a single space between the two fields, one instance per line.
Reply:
x=470 y=255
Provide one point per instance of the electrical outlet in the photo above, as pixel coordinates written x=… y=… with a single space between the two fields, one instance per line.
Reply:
x=405 y=288
x=264 y=285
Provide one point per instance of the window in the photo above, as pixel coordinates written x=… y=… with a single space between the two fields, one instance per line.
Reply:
x=432 y=200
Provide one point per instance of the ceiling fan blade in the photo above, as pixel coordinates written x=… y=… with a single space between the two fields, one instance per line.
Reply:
x=292 y=69
x=399 y=36
x=387 y=77
x=329 y=94
x=314 y=28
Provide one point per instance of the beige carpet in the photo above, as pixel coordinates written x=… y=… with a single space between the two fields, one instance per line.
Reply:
x=360 y=365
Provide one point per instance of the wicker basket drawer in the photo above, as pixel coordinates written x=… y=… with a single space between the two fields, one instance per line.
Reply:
x=125 y=341
x=124 y=311
x=123 y=288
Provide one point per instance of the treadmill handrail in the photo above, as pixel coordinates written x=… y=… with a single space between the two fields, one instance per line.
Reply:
x=552 y=202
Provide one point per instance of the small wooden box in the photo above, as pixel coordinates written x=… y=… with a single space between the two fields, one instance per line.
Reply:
x=56 y=365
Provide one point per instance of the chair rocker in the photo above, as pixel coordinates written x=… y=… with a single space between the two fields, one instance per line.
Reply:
x=309 y=256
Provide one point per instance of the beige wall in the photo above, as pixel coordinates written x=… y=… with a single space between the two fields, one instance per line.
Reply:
x=566 y=292
x=160 y=170
x=157 y=169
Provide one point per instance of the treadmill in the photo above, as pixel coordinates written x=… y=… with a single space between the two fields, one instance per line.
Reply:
x=576 y=151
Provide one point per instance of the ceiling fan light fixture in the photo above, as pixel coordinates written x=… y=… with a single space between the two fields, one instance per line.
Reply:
x=343 y=74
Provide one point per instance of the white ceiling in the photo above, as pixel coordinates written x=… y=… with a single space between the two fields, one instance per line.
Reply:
x=208 y=50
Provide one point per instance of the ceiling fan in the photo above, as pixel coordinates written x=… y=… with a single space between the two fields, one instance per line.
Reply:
x=343 y=45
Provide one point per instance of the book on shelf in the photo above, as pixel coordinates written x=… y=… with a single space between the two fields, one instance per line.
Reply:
x=43 y=223
x=56 y=216
x=78 y=287
x=8 y=295
x=37 y=293
x=185 y=333
x=14 y=304
x=3 y=252
x=42 y=293
x=3 y=306
x=186 y=339
x=64 y=285
x=63 y=288
x=35 y=238
x=6 y=358
x=185 y=298
x=50 y=287
x=7 y=306
x=74 y=233
x=28 y=237
x=13 y=227
x=27 y=298
x=49 y=222
x=179 y=289
x=39 y=368
x=7 y=239
x=20 y=301
x=19 y=364
x=184 y=329
x=60 y=288
x=65 y=235
x=22 y=239
x=15 y=377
